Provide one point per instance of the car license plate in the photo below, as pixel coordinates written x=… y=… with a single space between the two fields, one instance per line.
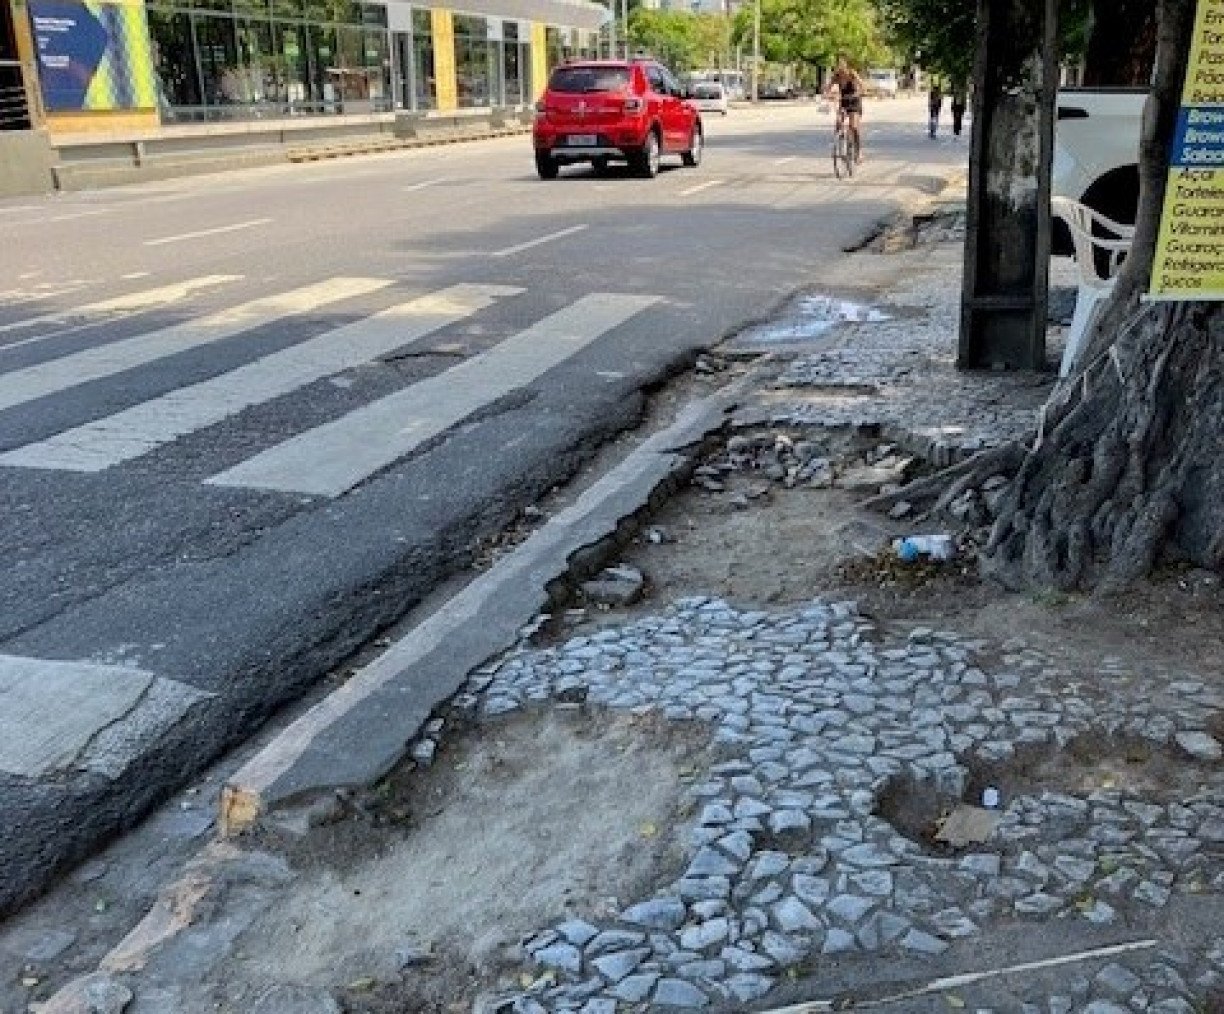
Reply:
x=582 y=140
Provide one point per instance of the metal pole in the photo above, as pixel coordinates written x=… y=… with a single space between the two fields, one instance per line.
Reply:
x=625 y=12
x=612 y=33
x=756 y=51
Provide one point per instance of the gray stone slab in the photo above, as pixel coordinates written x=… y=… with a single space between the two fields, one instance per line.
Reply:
x=51 y=711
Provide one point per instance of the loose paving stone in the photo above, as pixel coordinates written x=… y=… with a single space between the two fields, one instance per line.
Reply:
x=1200 y=746
x=838 y=941
x=578 y=932
x=746 y=988
x=619 y=964
x=678 y=993
x=783 y=949
x=923 y=943
x=659 y=913
x=792 y=916
x=614 y=940
x=635 y=988
x=562 y=957
x=705 y=935
x=1118 y=981
x=850 y=908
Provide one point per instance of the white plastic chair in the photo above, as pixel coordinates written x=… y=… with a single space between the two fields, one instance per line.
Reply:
x=1094 y=286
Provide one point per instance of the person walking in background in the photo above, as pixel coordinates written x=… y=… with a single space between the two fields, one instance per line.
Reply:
x=960 y=102
x=935 y=105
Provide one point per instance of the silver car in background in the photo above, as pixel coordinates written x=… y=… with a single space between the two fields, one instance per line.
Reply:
x=709 y=97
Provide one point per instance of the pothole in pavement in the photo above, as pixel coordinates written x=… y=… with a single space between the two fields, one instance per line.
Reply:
x=1057 y=784
x=809 y=318
x=419 y=890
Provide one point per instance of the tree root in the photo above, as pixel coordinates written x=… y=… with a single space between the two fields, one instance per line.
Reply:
x=1129 y=470
x=945 y=486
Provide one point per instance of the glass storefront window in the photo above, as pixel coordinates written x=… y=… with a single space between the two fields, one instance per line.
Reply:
x=220 y=71
x=424 y=85
x=472 y=52
x=174 y=56
x=513 y=65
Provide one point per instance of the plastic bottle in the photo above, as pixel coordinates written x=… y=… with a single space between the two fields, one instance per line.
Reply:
x=935 y=547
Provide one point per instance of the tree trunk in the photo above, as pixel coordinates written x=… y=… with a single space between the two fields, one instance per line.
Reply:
x=1129 y=464
x=1121 y=44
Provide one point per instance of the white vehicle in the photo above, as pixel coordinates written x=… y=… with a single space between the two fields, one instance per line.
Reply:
x=1096 y=153
x=709 y=97
x=731 y=80
x=882 y=84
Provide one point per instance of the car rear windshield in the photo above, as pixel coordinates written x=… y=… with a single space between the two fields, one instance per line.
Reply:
x=707 y=91
x=582 y=80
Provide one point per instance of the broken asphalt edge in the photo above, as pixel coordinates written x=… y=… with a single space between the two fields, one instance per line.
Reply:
x=359 y=732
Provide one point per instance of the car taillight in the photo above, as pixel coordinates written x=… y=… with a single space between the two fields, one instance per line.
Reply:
x=634 y=105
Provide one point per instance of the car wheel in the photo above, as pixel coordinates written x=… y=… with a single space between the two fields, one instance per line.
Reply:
x=546 y=166
x=646 y=163
x=692 y=157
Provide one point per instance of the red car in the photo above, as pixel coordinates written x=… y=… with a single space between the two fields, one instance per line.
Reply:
x=615 y=110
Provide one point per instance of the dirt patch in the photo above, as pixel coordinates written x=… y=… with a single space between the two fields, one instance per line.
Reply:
x=1128 y=765
x=445 y=870
x=755 y=541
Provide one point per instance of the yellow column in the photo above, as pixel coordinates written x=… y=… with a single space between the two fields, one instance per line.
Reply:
x=444 y=59
x=539 y=59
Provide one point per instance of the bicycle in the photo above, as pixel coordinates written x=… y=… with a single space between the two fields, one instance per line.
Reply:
x=845 y=148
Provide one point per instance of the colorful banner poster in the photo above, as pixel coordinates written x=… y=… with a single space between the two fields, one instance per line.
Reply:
x=1190 y=252
x=93 y=56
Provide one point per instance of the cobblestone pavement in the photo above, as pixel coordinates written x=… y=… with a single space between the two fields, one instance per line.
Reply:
x=900 y=373
x=819 y=720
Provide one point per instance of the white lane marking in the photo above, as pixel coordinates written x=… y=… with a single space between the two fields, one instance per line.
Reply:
x=108 y=310
x=218 y=231
x=131 y=276
x=422 y=185
x=47 y=290
x=333 y=458
x=26 y=276
x=520 y=247
x=20 y=207
x=700 y=187
x=784 y=161
x=38 y=381
x=125 y=435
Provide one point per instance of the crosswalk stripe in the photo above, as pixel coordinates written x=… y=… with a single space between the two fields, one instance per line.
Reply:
x=21 y=386
x=138 y=430
x=132 y=303
x=333 y=458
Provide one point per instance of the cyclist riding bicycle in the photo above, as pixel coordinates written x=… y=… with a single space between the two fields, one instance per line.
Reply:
x=849 y=86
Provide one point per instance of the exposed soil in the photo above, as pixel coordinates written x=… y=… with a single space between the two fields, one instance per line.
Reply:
x=833 y=548
x=553 y=812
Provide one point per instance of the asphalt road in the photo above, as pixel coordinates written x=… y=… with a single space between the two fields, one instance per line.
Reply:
x=248 y=420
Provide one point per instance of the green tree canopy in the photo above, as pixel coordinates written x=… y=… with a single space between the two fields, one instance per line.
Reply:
x=682 y=40
x=815 y=32
x=1116 y=37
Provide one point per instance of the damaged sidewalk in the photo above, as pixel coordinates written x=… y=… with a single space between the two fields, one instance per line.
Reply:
x=699 y=751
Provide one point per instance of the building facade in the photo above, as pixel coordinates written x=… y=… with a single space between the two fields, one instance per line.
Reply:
x=108 y=65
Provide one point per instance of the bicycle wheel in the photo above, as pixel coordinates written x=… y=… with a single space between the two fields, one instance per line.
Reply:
x=843 y=164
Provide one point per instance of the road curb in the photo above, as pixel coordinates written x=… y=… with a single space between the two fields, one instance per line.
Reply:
x=359 y=732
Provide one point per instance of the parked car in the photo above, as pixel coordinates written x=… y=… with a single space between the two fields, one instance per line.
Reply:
x=1096 y=153
x=709 y=97
x=774 y=90
x=602 y=111
x=882 y=84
